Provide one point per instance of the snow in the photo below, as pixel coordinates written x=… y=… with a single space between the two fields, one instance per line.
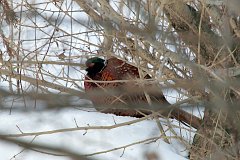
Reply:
x=87 y=142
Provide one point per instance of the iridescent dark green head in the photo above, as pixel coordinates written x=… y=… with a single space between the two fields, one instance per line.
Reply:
x=94 y=65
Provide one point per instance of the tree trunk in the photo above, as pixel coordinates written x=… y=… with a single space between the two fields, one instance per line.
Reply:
x=218 y=136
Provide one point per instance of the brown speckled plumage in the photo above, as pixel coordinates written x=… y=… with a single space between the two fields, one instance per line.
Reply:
x=122 y=98
x=119 y=94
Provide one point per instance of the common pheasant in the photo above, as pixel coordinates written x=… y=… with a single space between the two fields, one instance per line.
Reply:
x=114 y=86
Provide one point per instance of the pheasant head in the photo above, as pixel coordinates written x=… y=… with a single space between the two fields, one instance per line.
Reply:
x=94 y=65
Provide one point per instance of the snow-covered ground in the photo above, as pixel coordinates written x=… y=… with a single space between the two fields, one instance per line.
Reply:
x=91 y=141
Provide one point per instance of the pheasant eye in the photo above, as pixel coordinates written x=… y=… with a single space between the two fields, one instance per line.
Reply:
x=90 y=65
